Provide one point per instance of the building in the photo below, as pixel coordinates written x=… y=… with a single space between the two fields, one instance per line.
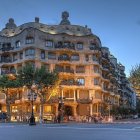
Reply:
x=91 y=78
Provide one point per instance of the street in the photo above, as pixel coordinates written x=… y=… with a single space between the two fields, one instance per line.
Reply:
x=70 y=132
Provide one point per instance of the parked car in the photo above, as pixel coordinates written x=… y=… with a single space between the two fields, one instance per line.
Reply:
x=135 y=117
x=3 y=116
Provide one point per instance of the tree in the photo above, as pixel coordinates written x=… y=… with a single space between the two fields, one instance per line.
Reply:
x=46 y=83
x=6 y=84
x=134 y=77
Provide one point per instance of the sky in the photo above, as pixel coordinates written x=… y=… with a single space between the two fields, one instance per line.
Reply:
x=116 y=22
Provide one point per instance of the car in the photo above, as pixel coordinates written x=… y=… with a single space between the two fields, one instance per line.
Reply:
x=3 y=116
x=135 y=117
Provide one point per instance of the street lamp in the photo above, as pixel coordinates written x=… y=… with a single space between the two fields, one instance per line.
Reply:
x=32 y=97
x=60 y=108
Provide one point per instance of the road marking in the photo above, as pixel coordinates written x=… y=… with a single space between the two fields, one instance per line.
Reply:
x=84 y=128
x=10 y=126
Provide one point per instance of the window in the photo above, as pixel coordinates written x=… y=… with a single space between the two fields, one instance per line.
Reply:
x=66 y=44
x=94 y=58
x=29 y=40
x=81 y=81
x=30 y=52
x=92 y=46
x=96 y=69
x=15 y=57
x=80 y=46
x=49 y=43
x=42 y=54
x=86 y=57
x=21 y=55
x=75 y=57
x=12 y=70
x=80 y=69
x=84 y=94
x=47 y=109
x=96 y=81
x=68 y=94
x=105 y=86
x=98 y=95
x=18 y=44
x=14 y=109
x=51 y=55
x=59 y=68
x=64 y=57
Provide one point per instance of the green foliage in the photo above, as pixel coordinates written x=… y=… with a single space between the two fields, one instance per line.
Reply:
x=6 y=82
x=39 y=76
x=26 y=75
x=134 y=77
x=45 y=78
x=116 y=110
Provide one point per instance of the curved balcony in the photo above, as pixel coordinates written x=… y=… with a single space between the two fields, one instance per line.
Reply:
x=71 y=82
x=65 y=71
x=84 y=101
x=6 y=60
x=105 y=68
x=64 y=58
x=3 y=72
x=69 y=46
x=6 y=47
x=95 y=49
x=105 y=58
x=105 y=77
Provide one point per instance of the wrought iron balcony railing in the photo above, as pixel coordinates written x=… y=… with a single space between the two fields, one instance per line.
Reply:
x=71 y=83
x=65 y=46
x=62 y=58
x=84 y=101
x=65 y=70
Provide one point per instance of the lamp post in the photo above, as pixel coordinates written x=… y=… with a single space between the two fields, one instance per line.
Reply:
x=60 y=108
x=32 y=97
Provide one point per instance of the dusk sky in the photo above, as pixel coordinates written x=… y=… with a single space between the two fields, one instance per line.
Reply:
x=116 y=22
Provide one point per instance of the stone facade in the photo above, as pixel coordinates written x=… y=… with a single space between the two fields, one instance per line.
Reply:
x=91 y=78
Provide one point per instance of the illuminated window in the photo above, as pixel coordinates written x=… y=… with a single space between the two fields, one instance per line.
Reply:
x=14 y=109
x=47 y=109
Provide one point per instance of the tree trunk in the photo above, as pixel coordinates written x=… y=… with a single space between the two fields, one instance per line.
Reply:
x=8 y=112
x=41 y=110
